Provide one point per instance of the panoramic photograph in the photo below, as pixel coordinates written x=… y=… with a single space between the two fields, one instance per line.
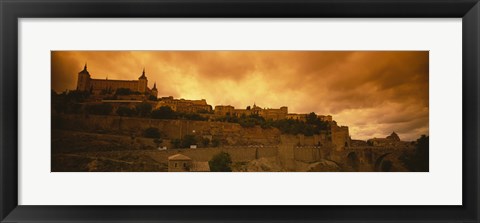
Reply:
x=239 y=111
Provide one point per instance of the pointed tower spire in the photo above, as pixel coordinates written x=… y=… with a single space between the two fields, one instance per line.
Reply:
x=154 y=86
x=143 y=74
x=84 y=71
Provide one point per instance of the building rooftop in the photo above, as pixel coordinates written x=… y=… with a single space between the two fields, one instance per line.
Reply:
x=179 y=157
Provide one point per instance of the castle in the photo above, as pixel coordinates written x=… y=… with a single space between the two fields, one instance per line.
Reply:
x=100 y=86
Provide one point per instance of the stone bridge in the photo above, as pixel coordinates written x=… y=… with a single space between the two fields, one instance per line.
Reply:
x=364 y=159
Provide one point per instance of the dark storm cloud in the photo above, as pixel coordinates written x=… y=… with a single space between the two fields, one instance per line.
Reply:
x=374 y=93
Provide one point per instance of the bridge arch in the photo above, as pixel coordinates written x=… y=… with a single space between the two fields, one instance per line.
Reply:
x=353 y=161
x=380 y=165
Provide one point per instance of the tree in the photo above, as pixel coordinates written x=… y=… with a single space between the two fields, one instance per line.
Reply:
x=220 y=163
x=247 y=123
x=188 y=140
x=418 y=161
x=191 y=116
x=215 y=143
x=205 y=142
x=311 y=118
x=177 y=143
x=144 y=109
x=125 y=111
x=152 y=133
x=100 y=109
x=77 y=96
x=164 y=112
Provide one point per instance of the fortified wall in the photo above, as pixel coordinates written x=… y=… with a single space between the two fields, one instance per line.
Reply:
x=340 y=137
x=232 y=133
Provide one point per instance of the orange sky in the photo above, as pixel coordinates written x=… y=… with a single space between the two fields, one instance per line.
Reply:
x=374 y=93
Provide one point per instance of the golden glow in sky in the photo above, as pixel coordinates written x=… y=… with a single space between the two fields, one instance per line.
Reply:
x=372 y=92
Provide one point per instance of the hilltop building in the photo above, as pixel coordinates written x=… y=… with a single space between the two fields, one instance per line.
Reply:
x=267 y=113
x=179 y=163
x=106 y=86
x=186 y=106
x=182 y=163
x=303 y=117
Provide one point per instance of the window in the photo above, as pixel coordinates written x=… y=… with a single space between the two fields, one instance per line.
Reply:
x=184 y=165
x=175 y=164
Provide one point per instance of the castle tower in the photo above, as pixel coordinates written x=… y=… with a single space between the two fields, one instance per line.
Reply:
x=154 y=90
x=83 y=81
x=142 y=82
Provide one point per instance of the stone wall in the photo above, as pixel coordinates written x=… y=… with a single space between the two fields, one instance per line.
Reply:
x=308 y=154
x=340 y=137
x=230 y=133
x=238 y=154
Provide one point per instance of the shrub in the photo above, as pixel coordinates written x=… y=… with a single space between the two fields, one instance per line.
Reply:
x=164 y=112
x=185 y=142
x=125 y=111
x=99 y=109
x=144 y=109
x=205 y=142
x=188 y=140
x=215 y=143
x=177 y=143
x=152 y=133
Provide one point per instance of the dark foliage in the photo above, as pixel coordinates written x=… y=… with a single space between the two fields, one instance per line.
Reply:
x=185 y=142
x=164 y=112
x=418 y=161
x=205 y=142
x=126 y=111
x=151 y=132
x=215 y=143
x=99 y=109
x=143 y=109
x=191 y=116
x=220 y=163
x=312 y=125
x=69 y=102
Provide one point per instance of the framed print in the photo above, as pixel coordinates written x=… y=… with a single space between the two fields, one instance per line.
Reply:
x=239 y=111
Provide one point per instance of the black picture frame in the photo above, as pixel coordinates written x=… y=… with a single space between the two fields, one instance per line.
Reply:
x=11 y=11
